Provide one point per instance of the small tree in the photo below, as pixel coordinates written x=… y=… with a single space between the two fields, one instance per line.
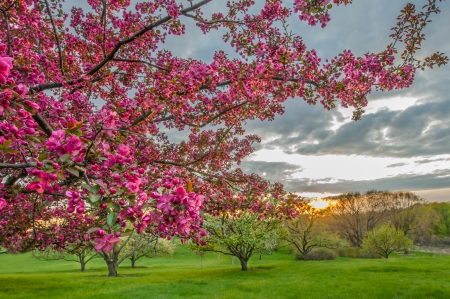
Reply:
x=240 y=235
x=385 y=239
x=304 y=233
x=147 y=245
x=73 y=253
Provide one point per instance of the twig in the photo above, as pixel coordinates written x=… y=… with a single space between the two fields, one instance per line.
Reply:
x=56 y=37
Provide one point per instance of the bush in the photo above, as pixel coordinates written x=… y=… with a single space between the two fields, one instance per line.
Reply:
x=319 y=254
x=384 y=240
x=352 y=252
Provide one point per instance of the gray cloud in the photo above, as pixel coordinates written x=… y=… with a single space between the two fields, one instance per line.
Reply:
x=437 y=179
x=271 y=171
x=425 y=161
x=396 y=165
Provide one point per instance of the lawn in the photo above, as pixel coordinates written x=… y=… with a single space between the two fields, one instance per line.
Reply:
x=422 y=275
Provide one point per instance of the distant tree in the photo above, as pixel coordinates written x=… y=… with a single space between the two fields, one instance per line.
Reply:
x=404 y=210
x=305 y=233
x=302 y=231
x=240 y=235
x=441 y=223
x=272 y=241
x=385 y=239
x=75 y=253
x=357 y=213
x=147 y=245
x=200 y=250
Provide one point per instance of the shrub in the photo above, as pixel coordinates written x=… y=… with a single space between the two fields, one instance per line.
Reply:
x=352 y=252
x=384 y=240
x=319 y=254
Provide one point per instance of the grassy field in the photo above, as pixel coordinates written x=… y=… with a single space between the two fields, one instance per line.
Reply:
x=183 y=276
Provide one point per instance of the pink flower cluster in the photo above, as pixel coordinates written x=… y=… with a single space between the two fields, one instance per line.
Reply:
x=5 y=67
x=64 y=145
x=105 y=242
x=75 y=202
x=44 y=181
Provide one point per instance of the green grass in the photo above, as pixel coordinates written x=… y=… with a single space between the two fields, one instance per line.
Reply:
x=276 y=276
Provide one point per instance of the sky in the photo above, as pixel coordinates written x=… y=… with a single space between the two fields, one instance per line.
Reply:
x=402 y=141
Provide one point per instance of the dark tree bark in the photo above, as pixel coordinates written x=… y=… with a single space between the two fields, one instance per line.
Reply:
x=112 y=267
x=244 y=264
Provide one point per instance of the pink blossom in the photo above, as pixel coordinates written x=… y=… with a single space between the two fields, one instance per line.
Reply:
x=5 y=67
x=73 y=145
x=164 y=203
x=2 y=203
x=123 y=150
x=55 y=142
x=132 y=187
x=106 y=243
x=22 y=89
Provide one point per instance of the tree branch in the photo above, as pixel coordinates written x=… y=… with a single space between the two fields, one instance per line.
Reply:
x=43 y=124
x=17 y=166
x=8 y=34
x=117 y=47
x=141 y=61
x=56 y=37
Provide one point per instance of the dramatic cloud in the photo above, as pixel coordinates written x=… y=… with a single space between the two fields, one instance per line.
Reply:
x=435 y=180
x=271 y=171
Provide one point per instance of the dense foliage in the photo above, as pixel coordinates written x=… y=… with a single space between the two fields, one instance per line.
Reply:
x=86 y=99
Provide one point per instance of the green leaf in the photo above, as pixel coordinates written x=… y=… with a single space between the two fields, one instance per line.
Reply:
x=160 y=190
x=64 y=158
x=94 y=197
x=92 y=230
x=7 y=143
x=87 y=187
x=95 y=189
x=111 y=218
x=29 y=109
x=10 y=151
x=73 y=171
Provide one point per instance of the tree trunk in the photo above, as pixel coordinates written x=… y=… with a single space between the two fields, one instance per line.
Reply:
x=82 y=262
x=133 y=261
x=305 y=255
x=112 y=268
x=243 y=264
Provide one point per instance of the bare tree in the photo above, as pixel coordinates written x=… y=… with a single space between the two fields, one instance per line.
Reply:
x=302 y=231
x=404 y=210
x=357 y=213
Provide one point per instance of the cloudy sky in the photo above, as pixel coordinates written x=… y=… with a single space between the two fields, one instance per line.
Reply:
x=402 y=141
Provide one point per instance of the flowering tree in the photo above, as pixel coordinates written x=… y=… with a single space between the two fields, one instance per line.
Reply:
x=242 y=233
x=85 y=99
